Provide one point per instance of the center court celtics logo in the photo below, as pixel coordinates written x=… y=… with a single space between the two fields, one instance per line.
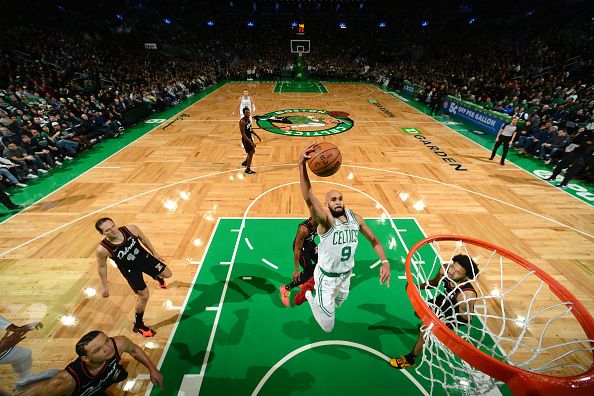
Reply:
x=305 y=122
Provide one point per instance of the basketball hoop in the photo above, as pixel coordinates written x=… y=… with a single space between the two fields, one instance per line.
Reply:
x=513 y=335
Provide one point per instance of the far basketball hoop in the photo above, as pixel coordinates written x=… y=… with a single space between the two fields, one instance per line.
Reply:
x=300 y=46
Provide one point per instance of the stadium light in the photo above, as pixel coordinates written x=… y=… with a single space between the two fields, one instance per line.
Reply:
x=471 y=21
x=342 y=25
x=294 y=24
x=465 y=8
x=425 y=23
x=167 y=21
x=210 y=23
x=250 y=24
x=382 y=25
x=120 y=17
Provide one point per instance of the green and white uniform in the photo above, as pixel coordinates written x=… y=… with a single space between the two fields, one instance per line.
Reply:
x=336 y=259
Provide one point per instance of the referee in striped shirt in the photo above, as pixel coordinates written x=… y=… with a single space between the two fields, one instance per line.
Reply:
x=505 y=137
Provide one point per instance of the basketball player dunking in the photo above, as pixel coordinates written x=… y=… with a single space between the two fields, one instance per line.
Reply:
x=123 y=246
x=245 y=127
x=338 y=228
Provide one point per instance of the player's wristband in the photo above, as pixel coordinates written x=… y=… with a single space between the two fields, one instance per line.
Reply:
x=385 y=261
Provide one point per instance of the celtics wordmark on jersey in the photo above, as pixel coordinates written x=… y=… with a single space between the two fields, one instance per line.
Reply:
x=336 y=251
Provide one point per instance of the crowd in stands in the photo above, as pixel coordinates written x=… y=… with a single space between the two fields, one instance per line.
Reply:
x=62 y=96
x=67 y=92
x=544 y=80
x=546 y=83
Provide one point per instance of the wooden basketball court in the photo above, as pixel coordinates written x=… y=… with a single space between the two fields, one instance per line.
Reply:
x=175 y=183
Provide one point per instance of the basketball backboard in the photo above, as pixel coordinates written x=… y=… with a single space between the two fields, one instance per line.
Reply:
x=300 y=46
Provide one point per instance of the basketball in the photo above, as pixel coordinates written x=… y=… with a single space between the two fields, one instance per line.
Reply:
x=325 y=159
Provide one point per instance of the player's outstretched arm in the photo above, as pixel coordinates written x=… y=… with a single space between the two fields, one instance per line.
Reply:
x=435 y=281
x=379 y=249
x=125 y=345
x=466 y=301
x=313 y=203
x=60 y=384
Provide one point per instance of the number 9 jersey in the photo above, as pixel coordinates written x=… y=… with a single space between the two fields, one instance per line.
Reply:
x=336 y=251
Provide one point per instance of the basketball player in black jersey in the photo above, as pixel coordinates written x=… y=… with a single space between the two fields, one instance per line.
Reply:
x=96 y=368
x=305 y=254
x=123 y=246
x=245 y=127
x=456 y=303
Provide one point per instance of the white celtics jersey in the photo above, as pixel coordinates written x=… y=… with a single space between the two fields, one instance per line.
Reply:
x=245 y=102
x=336 y=251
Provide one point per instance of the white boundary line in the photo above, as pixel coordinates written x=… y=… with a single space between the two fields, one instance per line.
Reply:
x=234 y=255
x=90 y=169
x=126 y=200
x=286 y=165
x=235 y=170
x=372 y=266
x=458 y=133
x=185 y=303
x=247 y=242
x=295 y=95
x=269 y=263
x=475 y=193
x=303 y=217
x=333 y=342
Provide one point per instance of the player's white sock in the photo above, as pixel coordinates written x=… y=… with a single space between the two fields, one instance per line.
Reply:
x=325 y=322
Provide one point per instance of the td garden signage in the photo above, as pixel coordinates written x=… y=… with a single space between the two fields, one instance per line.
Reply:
x=305 y=122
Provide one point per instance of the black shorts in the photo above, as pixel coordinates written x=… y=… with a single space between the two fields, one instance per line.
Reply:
x=152 y=267
x=308 y=262
x=447 y=313
x=248 y=146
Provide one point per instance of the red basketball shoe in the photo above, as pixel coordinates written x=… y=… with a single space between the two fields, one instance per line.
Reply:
x=309 y=285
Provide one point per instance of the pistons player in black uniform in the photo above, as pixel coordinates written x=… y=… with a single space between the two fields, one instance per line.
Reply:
x=245 y=127
x=455 y=304
x=123 y=246
x=305 y=254
x=96 y=368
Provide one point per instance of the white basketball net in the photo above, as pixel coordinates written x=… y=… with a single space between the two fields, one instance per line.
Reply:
x=516 y=319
